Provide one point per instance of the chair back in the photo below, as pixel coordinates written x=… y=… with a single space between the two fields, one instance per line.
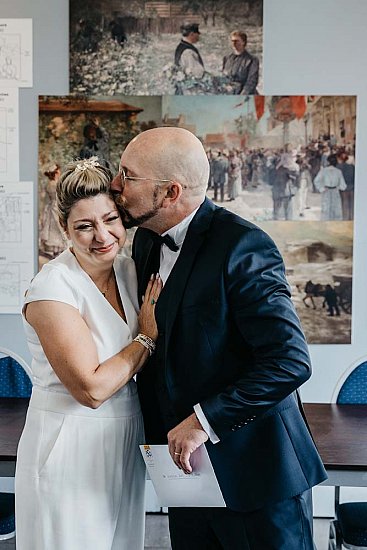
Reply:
x=14 y=375
x=354 y=388
x=349 y=528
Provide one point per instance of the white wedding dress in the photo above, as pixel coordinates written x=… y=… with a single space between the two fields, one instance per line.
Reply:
x=80 y=477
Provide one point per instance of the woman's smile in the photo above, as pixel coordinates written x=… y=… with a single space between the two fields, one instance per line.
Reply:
x=103 y=249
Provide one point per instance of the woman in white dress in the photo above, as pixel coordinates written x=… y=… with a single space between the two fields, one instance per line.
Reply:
x=329 y=182
x=80 y=477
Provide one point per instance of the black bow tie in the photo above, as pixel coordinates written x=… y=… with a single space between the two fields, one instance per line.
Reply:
x=167 y=240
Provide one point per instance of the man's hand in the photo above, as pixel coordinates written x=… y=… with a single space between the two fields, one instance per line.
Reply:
x=184 y=439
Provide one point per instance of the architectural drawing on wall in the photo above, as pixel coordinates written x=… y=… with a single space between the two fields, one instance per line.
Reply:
x=16 y=52
x=10 y=67
x=16 y=244
x=9 y=135
x=10 y=285
x=3 y=139
x=10 y=219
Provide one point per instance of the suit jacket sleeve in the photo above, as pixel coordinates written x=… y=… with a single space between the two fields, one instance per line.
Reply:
x=260 y=304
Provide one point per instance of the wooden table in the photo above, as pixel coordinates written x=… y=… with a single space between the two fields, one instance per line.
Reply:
x=12 y=418
x=340 y=432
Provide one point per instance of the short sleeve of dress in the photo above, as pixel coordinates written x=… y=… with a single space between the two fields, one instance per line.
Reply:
x=52 y=283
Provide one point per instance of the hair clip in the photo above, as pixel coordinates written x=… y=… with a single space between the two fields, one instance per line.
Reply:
x=92 y=162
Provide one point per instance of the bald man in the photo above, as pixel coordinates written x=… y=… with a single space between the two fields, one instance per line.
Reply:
x=230 y=353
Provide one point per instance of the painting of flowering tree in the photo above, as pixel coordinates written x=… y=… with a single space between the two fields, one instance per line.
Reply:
x=128 y=47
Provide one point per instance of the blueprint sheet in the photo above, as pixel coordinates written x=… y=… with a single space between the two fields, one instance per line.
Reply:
x=16 y=53
x=9 y=135
x=16 y=244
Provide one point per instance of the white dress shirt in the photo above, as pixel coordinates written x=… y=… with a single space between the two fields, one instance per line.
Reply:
x=168 y=260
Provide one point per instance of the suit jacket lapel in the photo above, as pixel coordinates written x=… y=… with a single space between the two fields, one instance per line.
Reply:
x=142 y=260
x=171 y=296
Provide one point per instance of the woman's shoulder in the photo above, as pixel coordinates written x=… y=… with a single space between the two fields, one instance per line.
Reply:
x=54 y=281
x=61 y=267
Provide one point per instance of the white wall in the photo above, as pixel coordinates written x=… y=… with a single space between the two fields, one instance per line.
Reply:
x=50 y=76
x=310 y=47
x=319 y=47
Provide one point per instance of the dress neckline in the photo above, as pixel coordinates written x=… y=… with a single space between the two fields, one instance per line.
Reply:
x=120 y=288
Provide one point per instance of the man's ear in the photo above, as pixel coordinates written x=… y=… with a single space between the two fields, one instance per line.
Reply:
x=173 y=193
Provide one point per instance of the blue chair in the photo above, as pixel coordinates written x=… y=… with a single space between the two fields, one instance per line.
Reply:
x=14 y=382
x=349 y=528
x=7 y=516
x=354 y=388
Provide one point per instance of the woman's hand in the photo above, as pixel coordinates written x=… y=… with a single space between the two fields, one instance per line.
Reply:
x=147 y=322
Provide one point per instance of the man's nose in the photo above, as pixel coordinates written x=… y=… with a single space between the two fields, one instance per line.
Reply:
x=116 y=184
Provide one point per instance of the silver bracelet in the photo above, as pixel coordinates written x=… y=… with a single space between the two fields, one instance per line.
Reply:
x=146 y=341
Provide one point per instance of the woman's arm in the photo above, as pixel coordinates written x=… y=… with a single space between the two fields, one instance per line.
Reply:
x=69 y=347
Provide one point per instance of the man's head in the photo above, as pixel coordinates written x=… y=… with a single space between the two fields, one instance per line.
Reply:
x=163 y=177
x=332 y=160
x=190 y=32
x=239 y=41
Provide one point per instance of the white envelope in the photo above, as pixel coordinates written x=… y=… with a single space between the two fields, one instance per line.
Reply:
x=173 y=487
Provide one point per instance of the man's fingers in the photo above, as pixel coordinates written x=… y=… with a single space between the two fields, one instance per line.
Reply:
x=175 y=455
x=171 y=449
x=185 y=462
x=177 y=459
x=183 y=440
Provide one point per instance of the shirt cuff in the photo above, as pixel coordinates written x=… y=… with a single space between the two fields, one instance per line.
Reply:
x=205 y=424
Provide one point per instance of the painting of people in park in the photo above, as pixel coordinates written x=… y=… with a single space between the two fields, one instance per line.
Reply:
x=286 y=158
x=169 y=47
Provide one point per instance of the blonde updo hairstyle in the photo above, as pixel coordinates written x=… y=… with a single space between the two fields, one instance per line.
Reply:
x=81 y=179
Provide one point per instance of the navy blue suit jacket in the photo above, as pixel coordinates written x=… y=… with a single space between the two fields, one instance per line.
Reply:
x=230 y=339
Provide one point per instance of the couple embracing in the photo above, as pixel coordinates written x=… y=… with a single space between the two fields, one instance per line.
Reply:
x=202 y=316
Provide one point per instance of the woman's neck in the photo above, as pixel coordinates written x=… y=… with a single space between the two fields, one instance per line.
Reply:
x=100 y=275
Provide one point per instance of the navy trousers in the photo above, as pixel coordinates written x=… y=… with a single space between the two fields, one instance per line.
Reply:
x=285 y=525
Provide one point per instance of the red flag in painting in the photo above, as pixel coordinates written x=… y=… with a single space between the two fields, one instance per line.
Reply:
x=259 y=105
x=298 y=105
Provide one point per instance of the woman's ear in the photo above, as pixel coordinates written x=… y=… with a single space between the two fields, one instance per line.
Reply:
x=65 y=229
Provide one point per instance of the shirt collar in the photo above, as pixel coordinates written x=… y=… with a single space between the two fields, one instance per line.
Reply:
x=178 y=232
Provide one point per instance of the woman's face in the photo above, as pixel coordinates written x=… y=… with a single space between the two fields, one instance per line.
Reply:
x=238 y=44
x=95 y=229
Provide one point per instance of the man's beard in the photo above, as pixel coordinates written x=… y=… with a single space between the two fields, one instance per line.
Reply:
x=131 y=221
